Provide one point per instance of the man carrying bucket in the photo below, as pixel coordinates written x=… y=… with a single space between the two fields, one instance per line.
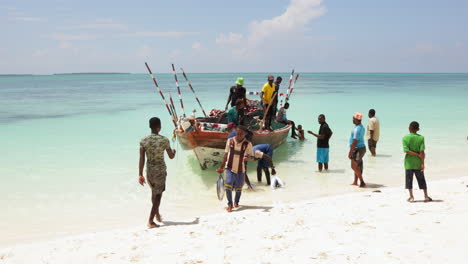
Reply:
x=237 y=150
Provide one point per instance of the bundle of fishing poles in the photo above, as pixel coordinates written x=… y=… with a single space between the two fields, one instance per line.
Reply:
x=171 y=107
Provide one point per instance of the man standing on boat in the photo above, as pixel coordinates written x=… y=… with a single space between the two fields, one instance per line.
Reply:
x=278 y=81
x=236 y=92
x=237 y=150
x=267 y=99
x=153 y=146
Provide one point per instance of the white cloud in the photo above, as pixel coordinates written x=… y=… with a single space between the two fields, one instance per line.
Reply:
x=231 y=38
x=65 y=44
x=176 y=34
x=28 y=19
x=100 y=23
x=72 y=37
x=296 y=16
x=145 y=51
x=425 y=47
x=174 y=54
x=39 y=53
x=262 y=35
x=196 y=45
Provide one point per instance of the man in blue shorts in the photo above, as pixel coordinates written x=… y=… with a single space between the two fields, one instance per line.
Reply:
x=323 y=147
x=238 y=149
x=357 y=149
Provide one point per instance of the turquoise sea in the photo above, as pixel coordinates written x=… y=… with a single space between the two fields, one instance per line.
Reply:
x=69 y=144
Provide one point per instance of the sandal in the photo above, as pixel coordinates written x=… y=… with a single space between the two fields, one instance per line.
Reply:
x=411 y=200
x=428 y=199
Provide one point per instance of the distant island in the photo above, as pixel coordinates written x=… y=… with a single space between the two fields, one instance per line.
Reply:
x=82 y=73
x=27 y=74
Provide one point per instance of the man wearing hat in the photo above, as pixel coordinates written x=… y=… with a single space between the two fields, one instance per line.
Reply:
x=357 y=149
x=236 y=92
x=267 y=99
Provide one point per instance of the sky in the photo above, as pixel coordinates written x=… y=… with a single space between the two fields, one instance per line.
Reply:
x=62 y=36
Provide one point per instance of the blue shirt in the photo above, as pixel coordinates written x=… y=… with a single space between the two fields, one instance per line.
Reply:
x=266 y=149
x=232 y=134
x=358 y=133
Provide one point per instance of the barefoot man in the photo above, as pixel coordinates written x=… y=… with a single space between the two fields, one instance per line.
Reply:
x=238 y=149
x=372 y=132
x=153 y=147
x=413 y=146
x=357 y=149
x=323 y=148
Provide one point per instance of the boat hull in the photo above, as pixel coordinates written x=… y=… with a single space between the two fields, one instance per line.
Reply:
x=208 y=146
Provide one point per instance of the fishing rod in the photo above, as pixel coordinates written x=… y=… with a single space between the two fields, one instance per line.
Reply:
x=160 y=93
x=178 y=89
x=193 y=91
x=292 y=88
x=174 y=113
x=289 y=86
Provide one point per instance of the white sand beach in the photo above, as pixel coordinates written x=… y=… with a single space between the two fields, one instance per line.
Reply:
x=361 y=227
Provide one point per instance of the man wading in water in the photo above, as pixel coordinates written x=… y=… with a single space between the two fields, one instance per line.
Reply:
x=153 y=146
x=237 y=150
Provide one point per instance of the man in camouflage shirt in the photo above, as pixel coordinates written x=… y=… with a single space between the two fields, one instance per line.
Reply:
x=153 y=147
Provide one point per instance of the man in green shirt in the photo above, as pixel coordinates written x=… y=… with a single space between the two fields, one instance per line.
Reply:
x=413 y=146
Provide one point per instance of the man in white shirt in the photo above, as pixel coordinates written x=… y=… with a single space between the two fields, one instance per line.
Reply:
x=238 y=149
x=372 y=132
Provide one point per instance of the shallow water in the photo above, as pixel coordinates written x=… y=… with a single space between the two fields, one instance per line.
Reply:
x=69 y=143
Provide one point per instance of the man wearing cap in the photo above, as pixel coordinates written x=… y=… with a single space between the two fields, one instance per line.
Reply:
x=236 y=92
x=267 y=99
x=357 y=149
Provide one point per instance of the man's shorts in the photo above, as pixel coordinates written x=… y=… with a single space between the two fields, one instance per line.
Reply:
x=322 y=155
x=358 y=154
x=371 y=144
x=419 y=177
x=156 y=178
x=234 y=181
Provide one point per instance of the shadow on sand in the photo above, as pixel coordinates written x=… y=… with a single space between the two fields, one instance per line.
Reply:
x=383 y=156
x=336 y=171
x=171 y=223
x=249 y=207
x=374 y=185
x=433 y=201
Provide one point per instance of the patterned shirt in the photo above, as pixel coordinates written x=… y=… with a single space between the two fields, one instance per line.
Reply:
x=237 y=148
x=154 y=146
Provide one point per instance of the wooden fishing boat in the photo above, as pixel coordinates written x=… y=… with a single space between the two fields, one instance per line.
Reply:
x=208 y=145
